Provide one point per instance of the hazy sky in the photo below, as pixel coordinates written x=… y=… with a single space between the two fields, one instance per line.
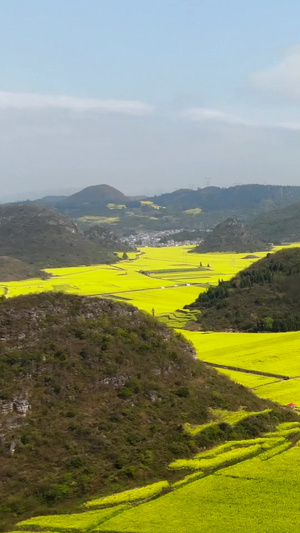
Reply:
x=148 y=95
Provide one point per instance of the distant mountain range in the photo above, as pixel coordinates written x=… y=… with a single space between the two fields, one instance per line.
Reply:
x=279 y=225
x=92 y=200
x=188 y=209
x=239 y=197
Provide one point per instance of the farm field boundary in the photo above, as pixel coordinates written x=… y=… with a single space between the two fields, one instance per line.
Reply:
x=247 y=371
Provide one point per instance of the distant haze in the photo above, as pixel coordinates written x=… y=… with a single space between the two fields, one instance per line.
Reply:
x=147 y=97
x=34 y=195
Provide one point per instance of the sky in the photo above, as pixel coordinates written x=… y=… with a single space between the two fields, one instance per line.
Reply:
x=148 y=96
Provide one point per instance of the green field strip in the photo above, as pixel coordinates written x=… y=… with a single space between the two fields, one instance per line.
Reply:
x=239 y=444
x=221 y=415
x=70 y=522
x=190 y=478
x=129 y=496
x=205 y=281
x=220 y=461
x=291 y=432
x=286 y=465
x=175 y=270
x=268 y=454
x=235 y=451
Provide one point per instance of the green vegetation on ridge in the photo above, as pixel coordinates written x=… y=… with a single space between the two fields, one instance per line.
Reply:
x=279 y=225
x=230 y=236
x=263 y=297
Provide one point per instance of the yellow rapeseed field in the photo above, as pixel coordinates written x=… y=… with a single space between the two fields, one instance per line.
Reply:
x=180 y=276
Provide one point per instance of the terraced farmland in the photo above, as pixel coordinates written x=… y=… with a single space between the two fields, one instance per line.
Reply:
x=246 y=497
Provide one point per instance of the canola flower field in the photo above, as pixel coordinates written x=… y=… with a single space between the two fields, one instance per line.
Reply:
x=176 y=281
x=254 y=495
x=268 y=353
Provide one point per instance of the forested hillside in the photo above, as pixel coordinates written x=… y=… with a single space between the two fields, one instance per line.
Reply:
x=184 y=208
x=263 y=297
x=279 y=225
x=231 y=236
x=239 y=197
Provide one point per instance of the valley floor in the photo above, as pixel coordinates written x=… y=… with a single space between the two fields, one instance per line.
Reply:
x=244 y=487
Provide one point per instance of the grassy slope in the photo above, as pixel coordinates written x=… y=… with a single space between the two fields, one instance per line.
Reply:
x=14 y=269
